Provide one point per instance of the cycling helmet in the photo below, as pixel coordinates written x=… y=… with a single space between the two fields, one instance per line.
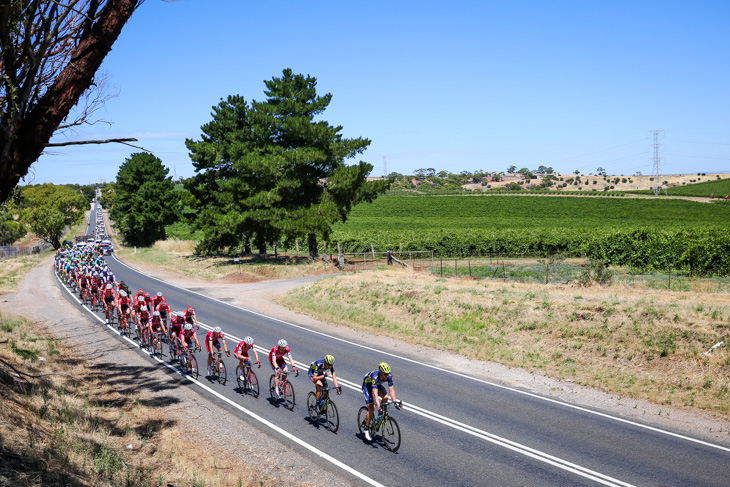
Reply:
x=217 y=329
x=146 y=295
x=156 y=313
x=188 y=326
x=282 y=343
x=140 y=290
x=248 y=341
x=140 y=299
x=108 y=286
x=123 y=293
x=162 y=299
x=329 y=359
x=143 y=308
x=190 y=308
x=384 y=368
x=159 y=295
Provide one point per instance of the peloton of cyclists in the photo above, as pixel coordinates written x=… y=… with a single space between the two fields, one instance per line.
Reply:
x=276 y=359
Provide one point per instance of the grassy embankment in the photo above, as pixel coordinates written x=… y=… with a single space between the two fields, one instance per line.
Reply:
x=177 y=256
x=62 y=430
x=634 y=341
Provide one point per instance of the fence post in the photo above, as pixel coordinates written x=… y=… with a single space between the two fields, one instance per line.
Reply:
x=372 y=249
x=442 y=267
x=456 y=268
x=469 y=269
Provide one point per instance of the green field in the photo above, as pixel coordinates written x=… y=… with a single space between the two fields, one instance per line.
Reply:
x=719 y=188
x=645 y=234
x=431 y=213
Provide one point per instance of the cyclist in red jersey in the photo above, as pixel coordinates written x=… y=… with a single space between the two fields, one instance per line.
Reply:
x=176 y=328
x=191 y=318
x=148 y=302
x=164 y=310
x=156 y=300
x=241 y=353
x=109 y=297
x=214 y=339
x=124 y=306
x=156 y=324
x=276 y=359
x=188 y=336
x=143 y=320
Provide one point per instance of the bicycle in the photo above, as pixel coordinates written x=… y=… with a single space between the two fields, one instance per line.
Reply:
x=219 y=369
x=250 y=381
x=189 y=363
x=388 y=427
x=156 y=344
x=109 y=313
x=327 y=409
x=123 y=324
x=284 y=385
x=174 y=350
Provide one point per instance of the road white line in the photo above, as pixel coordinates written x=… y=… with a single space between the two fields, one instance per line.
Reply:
x=459 y=374
x=249 y=413
x=484 y=435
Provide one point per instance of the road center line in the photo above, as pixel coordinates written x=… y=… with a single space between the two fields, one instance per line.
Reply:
x=459 y=374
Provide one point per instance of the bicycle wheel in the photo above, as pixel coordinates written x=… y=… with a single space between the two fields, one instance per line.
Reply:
x=312 y=407
x=193 y=366
x=253 y=383
x=289 y=396
x=222 y=376
x=391 y=434
x=158 y=347
x=272 y=380
x=331 y=417
x=241 y=383
x=173 y=352
x=361 y=414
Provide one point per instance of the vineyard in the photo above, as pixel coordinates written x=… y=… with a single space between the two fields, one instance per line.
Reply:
x=643 y=234
x=719 y=188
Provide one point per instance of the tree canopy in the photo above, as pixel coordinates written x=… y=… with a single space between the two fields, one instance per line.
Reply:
x=49 y=210
x=51 y=51
x=143 y=198
x=269 y=171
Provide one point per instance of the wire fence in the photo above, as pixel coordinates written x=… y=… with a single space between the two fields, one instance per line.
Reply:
x=10 y=251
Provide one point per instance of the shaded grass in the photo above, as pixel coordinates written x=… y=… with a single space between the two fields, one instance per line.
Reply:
x=92 y=429
x=631 y=340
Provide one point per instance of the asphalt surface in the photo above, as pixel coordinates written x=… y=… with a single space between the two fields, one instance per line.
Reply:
x=456 y=430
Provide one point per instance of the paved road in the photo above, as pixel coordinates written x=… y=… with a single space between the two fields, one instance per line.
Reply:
x=456 y=430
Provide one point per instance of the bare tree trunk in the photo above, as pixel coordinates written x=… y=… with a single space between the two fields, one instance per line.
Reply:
x=20 y=148
x=312 y=241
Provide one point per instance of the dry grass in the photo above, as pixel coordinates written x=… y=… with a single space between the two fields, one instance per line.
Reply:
x=66 y=431
x=630 y=340
x=177 y=256
x=13 y=270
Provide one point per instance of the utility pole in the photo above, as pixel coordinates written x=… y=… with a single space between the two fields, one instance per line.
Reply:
x=657 y=173
x=385 y=167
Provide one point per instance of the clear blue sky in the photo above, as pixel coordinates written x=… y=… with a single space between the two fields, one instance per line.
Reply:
x=462 y=85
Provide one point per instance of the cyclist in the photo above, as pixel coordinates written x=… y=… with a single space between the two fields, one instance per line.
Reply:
x=143 y=319
x=276 y=359
x=176 y=328
x=318 y=375
x=156 y=325
x=188 y=336
x=191 y=318
x=241 y=353
x=109 y=298
x=123 y=306
x=164 y=308
x=374 y=391
x=156 y=300
x=214 y=339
